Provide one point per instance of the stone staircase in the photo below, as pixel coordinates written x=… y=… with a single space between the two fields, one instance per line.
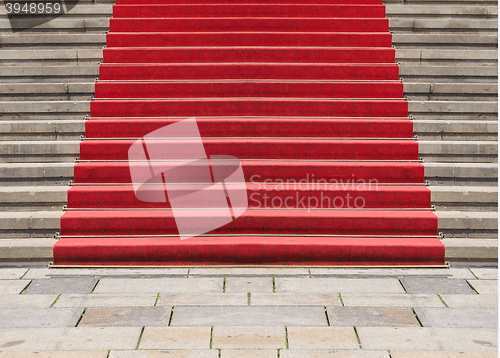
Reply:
x=447 y=52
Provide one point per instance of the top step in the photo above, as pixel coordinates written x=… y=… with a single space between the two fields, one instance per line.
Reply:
x=248 y=10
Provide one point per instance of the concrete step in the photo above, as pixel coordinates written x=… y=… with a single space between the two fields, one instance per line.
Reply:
x=411 y=10
x=39 y=151
x=52 y=56
x=453 y=110
x=456 y=130
x=462 y=174
x=433 y=40
x=27 y=224
x=16 y=174
x=458 y=151
x=470 y=198
x=76 y=91
x=52 y=40
x=79 y=9
x=400 y=24
x=44 y=110
x=416 y=72
x=62 y=25
x=464 y=251
x=444 y=56
x=29 y=198
x=436 y=91
x=468 y=224
x=24 y=251
x=42 y=130
x=49 y=74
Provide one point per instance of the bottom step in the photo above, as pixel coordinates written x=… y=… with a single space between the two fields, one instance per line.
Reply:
x=240 y=250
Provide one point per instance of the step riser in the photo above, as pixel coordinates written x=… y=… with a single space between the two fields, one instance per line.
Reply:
x=227 y=54
x=260 y=198
x=248 y=127
x=329 y=222
x=259 y=172
x=249 y=39
x=257 y=149
x=248 y=251
x=249 y=71
x=242 y=24
x=240 y=10
x=249 y=89
x=241 y=107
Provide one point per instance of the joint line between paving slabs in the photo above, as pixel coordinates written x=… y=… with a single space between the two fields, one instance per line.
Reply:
x=326 y=315
x=171 y=315
x=93 y=288
x=357 y=337
x=24 y=274
x=416 y=316
x=140 y=337
x=401 y=283
x=341 y=300
x=274 y=285
x=24 y=289
x=286 y=338
x=224 y=286
x=444 y=303
x=53 y=303
x=249 y=295
x=81 y=317
x=472 y=288
x=157 y=299
x=212 y=338
x=473 y=274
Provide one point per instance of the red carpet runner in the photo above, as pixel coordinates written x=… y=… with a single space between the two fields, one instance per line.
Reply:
x=300 y=92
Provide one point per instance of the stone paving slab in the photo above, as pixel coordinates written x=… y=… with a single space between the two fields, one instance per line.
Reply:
x=335 y=285
x=453 y=272
x=426 y=338
x=106 y=300
x=249 y=284
x=458 y=317
x=249 y=353
x=249 y=271
x=27 y=301
x=435 y=285
x=175 y=338
x=203 y=299
x=39 y=317
x=322 y=338
x=54 y=354
x=14 y=273
x=316 y=353
x=485 y=273
x=241 y=337
x=444 y=355
x=371 y=316
x=45 y=272
x=62 y=285
x=167 y=285
x=248 y=316
x=391 y=300
x=294 y=299
x=485 y=287
x=79 y=338
x=166 y=354
x=468 y=301
x=12 y=287
x=126 y=316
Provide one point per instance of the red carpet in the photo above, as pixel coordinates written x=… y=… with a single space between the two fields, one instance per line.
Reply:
x=306 y=96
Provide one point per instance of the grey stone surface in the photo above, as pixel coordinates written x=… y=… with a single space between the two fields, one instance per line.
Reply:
x=27 y=301
x=371 y=316
x=44 y=272
x=470 y=301
x=426 y=338
x=175 y=338
x=62 y=285
x=458 y=317
x=335 y=285
x=54 y=354
x=249 y=271
x=455 y=272
x=435 y=285
x=12 y=287
x=166 y=285
x=248 y=316
x=327 y=353
x=436 y=354
x=485 y=273
x=391 y=300
x=181 y=353
x=322 y=338
x=106 y=300
x=39 y=317
x=249 y=353
x=79 y=338
x=249 y=284
x=203 y=299
x=126 y=316
x=256 y=337
x=13 y=273
x=295 y=299
x=485 y=287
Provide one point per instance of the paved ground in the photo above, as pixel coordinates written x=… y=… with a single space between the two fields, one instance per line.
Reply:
x=251 y=312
